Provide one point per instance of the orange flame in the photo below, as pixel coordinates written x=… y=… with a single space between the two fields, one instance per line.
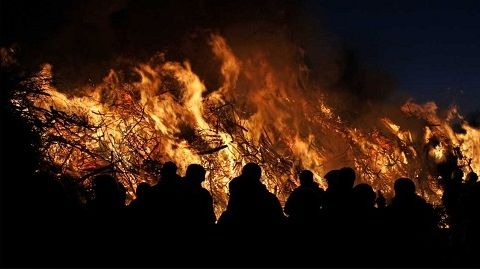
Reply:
x=260 y=113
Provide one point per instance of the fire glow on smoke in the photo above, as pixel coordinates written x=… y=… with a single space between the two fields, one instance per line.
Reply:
x=161 y=110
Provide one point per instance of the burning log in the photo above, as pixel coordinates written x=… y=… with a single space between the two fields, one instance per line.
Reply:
x=210 y=151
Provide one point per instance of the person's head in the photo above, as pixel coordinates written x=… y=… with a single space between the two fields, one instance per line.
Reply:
x=105 y=186
x=457 y=175
x=332 y=178
x=168 y=171
x=404 y=187
x=348 y=177
x=252 y=171
x=195 y=173
x=306 y=178
x=142 y=189
x=364 y=196
x=471 y=178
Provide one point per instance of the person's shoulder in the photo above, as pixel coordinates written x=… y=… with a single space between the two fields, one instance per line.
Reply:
x=269 y=193
x=318 y=188
x=234 y=180
x=297 y=191
x=204 y=191
x=420 y=200
x=304 y=190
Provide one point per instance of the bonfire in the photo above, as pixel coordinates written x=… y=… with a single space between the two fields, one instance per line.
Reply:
x=151 y=112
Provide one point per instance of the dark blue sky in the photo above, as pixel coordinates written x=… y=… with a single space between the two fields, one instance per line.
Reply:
x=431 y=47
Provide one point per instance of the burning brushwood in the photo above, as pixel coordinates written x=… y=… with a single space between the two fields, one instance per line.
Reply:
x=132 y=126
x=210 y=151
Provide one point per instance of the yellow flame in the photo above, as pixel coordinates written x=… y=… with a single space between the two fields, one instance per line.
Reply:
x=166 y=114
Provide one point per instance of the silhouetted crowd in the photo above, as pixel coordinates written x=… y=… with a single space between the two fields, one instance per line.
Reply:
x=173 y=223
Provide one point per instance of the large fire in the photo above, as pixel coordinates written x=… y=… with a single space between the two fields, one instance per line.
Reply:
x=153 y=112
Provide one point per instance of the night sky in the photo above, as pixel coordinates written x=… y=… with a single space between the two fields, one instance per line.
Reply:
x=432 y=48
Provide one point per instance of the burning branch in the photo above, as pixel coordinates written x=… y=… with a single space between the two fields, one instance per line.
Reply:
x=132 y=127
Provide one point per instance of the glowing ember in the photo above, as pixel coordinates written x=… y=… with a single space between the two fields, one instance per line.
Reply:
x=161 y=111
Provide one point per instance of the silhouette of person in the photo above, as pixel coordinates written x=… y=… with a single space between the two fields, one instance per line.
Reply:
x=332 y=178
x=164 y=214
x=411 y=220
x=472 y=225
x=339 y=191
x=106 y=213
x=196 y=219
x=198 y=203
x=471 y=178
x=168 y=174
x=107 y=194
x=304 y=210
x=304 y=204
x=452 y=191
x=451 y=199
x=338 y=212
x=347 y=175
x=164 y=199
x=142 y=192
x=463 y=237
x=250 y=203
x=139 y=209
x=43 y=223
x=368 y=223
x=141 y=214
x=380 y=201
x=363 y=198
x=250 y=224
x=407 y=202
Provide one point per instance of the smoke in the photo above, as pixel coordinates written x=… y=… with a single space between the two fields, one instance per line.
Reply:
x=84 y=39
x=473 y=119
